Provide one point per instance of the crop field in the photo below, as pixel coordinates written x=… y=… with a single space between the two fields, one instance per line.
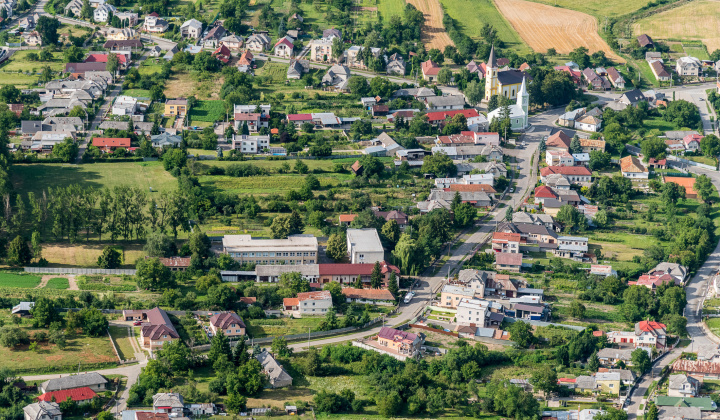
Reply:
x=207 y=111
x=86 y=255
x=137 y=93
x=106 y=283
x=40 y=177
x=598 y=8
x=471 y=15
x=433 y=32
x=25 y=281
x=542 y=27
x=685 y=22
x=59 y=283
x=20 y=62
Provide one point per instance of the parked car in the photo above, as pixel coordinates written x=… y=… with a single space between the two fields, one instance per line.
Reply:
x=136 y=323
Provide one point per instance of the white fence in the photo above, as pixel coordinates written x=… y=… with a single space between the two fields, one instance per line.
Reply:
x=55 y=270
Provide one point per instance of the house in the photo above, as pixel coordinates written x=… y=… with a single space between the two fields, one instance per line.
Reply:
x=631 y=167
x=369 y=296
x=653 y=281
x=284 y=47
x=395 y=65
x=321 y=49
x=82 y=395
x=110 y=144
x=588 y=123
x=129 y=19
x=508 y=261
x=608 y=382
x=645 y=41
x=677 y=413
x=42 y=410
x=277 y=376
x=610 y=356
x=692 y=142
x=449 y=102
x=472 y=312
x=677 y=271
x=302 y=249
x=430 y=71
x=543 y=193
x=650 y=334
x=157 y=330
x=169 y=402
x=627 y=377
x=559 y=158
x=204 y=409
x=534 y=218
x=683 y=386
x=568 y=119
x=154 y=24
x=164 y=139
x=32 y=38
x=74 y=8
x=176 y=107
x=337 y=77
x=229 y=323
x=92 y=380
x=191 y=29
x=309 y=303
x=704 y=403
x=661 y=164
x=223 y=54
x=364 y=246
x=699 y=369
x=399 y=217
x=102 y=12
x=347 y=274
x=22 y=309
x=120 y=34
x=176 y=263
x=658 y=69
x=473 y=279
x=480 y=69
x=589 y=145
x=688 y=66
x=399 y=342
x=420 y=93
x=297 y=68
x=439 y=118
x=257 y=42
x=602 y=270
x=574 y=174
x=476 y=198
x=451 y=295
x=558 y=141
x=632 y=97
x=506 y=242
x=214 y=35
x=232 y=41
x=615 y=78
x=529 y=311
x=352 y=56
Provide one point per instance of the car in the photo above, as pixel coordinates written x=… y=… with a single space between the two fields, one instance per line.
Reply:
x=136 y=323
x=512 y=190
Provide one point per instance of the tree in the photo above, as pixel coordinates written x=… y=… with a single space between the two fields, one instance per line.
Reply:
x=95 y=323
x=376 y=277
x=545 y=379
x=612 y=413
x=152 y=274
x=73 y=54
x=704 y=187
x=294 y=282
x=174 y=158
x=199 y=244
x=640 y=360
x=594 y=362
x=47 y=28
x=575 y=146
x=113 y=63
x=336 y=247
x=577 y=310
x=159 y=245
x=86 y=11
x=474 y=93
x=393 y=285
x=11 y=336
x=444 y=76
x=18 y=252
x=672 y=192
x=219 y=347
x=465 y=214
x=439 y=164
x=371 y=165
x=389 y=405
x=710 y=145
x=358 y=85
x=66 y=151
x=301 y=167
x=285 y=225
x=652 y=412
x=390 y=232
x=599 y=160
x=280 y=347
x=571 y=218
x=521 y=334
x=682 y=113
x=110 y=258
x=638 y=302
x=36 y=245
x=44 y=312
x=653 y=147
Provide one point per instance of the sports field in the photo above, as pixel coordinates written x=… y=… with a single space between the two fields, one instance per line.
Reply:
x=543 y=27
x=471 y=15
x=697 y=20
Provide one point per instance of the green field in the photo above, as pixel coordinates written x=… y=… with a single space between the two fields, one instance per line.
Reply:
x=39 y=177
x=265 y=184
x=60 y=283
x=17 y=79
x=714 y=325
x=599 y=8
x=20 y=62
x=207 y=111
x=276 y=71
x=388 y=8
x=122 y=341
x=472 y=15
x=137 y=93
x=25 y=281
x=697 y=51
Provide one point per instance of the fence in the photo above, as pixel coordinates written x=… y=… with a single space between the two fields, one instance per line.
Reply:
x=423 y=327
x=691 y=163
x=55 y=270
x=117 y=353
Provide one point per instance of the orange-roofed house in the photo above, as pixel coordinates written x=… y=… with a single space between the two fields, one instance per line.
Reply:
x=248 y=300
x=311 y=303
x=558 y=141
x=346 y=219
x=650 y=334
x=686 y=182
x=290 y=304
x=430 y=70
x=631 y=167
x=107 y=144
x=79 y=395
x=486 y=188
x=573 y=174
x=543 y=193
x=371 y=296
x=176 y=263
x=506 y=242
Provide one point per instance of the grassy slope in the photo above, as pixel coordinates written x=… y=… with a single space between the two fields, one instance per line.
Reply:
x=388 y=8
x=684 y=22
x=19 y=61
x=598 y=8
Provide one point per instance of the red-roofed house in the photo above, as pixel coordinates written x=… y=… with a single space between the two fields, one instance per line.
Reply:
x=299 y=119
x=544 y=192
x=646 y=334
x=314 y=303
x=79 y=395
x=567 y=382
x=430 y=70
x=222 y=53
x=439 y=117
x=574 y=74
x=558 y=141
x=346 y=219
x=246 y=59
x=653 y=281
x=149 y=415
x=348 y=273
x=455 y=140
x=107 y=144
x=103 y=58
x=506 y=242
x=572 y=173
x=508 y=261
x=284 y=47
x=371 y=296
x=291 y=304
x=486 y=188
x=229 y=323
x=176 y=263
x=400 y=342
x=247 y=300
x=657 y=163
x=692 y=142
x=157 y=329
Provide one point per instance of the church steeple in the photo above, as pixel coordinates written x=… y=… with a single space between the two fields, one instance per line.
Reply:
x=491 y=75
x=491 y=60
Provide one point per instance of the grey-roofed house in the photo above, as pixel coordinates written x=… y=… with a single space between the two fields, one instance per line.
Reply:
x=445 y=103
x=22 y=309
x=92 y=380
x=29 y=128
x=683 y=386
x=277 y=376
x=678 y=271
x=143 y=128
x=297 y=68
x=420 y=93
x=42 y=410
x=171 y=403
x=337 y=77
x=115 y=125
x=364 y=246
x=627 y=377
x=610 y=356
x=680 y=413
x=584 y=383
x=165 y=139
x=476 y=198
x=632 y=97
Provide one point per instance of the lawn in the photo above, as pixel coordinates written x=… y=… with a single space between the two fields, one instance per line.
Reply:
x=389 y=8
x=647 y=74
x=25 y=281
x=122 y=341
x=257 y=328
x=86 y=255
x=137 y=93
x=658 y=124
x=106 y=283
x=714 y=325
x=697 y=51
x=265 y=184
x=207 y=111
x=276 y=71
x=702 y=159
x=60 y=283
x=39 y=177
x=17 y=79
x=20 y=62
x=472 y=15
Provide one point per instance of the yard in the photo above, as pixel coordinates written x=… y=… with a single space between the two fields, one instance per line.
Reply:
x=107 y=283
x=20 y=62
x=18 y=280
x=258 y=328
x=714 y=325
x=18 y=79
x=86 y=255
x=119 y=334
x=207 y=111
x=59 y=283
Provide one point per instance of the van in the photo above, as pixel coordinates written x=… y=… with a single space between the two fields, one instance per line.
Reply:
x=408 y=297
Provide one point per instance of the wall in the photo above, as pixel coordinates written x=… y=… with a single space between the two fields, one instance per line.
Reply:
x=49 y=270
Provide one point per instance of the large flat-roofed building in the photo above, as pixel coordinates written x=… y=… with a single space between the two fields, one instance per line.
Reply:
x=364 y=246
x=296 y=249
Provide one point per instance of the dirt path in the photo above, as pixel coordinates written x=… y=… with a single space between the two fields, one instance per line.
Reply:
x=71 y=280
x=433 y=32
x=543 y=27
x=73 y=283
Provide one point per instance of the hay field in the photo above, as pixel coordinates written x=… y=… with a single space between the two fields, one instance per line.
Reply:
x=433 y=33
x=599 y=8
x=542 y=27
x=698 y=20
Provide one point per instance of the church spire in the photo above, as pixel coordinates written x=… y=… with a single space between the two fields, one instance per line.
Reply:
x=492 y=63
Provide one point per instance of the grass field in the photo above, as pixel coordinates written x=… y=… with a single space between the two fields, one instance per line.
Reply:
x=20 y=62
x=265 y=184
x=122 y=341
x=714 y=325
x=542 y=27
x=472 y=15
x=388 y=8
x=17 y=79
x=137 y=93
x=684 y=22
x=598 y=8
x=86 y=255
x=25 y=281
x=281 y=326
x=60 y=283
x=39 y=177
x=697 y=51
x=207 y=111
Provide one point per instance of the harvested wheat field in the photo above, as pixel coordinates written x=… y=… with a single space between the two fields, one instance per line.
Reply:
x=433 y=33
x=698 y=20
x=542 y=27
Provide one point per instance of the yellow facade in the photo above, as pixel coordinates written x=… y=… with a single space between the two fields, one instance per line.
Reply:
x=609 y=387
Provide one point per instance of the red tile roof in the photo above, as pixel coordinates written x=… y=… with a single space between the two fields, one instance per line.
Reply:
x=354 y=269
x=441 y=115
x=430 y=68
x=369 y=294
x=472 y=188
x=77 y=394
x=565 y=170
x=291 y=302
x=299 y=117
x=696 y=366
x=111 y=142
x=631 y=164
x=396 y=335
x=457 y=139
x=650 y=326
x=347 y=217
x=321 y=295
x=148 y=415
x=103 y=58
x=544 y=191
x=506 y=258
x=158 y=324
x=506 y=236
x=559 y=139
x=175 y=262
x=248 y=300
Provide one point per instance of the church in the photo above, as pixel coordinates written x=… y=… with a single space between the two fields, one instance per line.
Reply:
x=518 y=112
x=506 y=83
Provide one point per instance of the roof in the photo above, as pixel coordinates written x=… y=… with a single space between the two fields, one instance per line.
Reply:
x=76 y=394
x=512 y=77
x=40 y=409
x=364 y=240
x=347 y=217
x=631 y=164
x=149 y=415
x=677 y=381
x=544 y=191
x=696 y=366
x=650 y=326
x=529 y=308
x=368 y=294
x=273 y=369
x=446 y=100
x=224 y=319
x=458 y=290
x=291 y=302
x=74 y=381
x=168 y=400
x=354 y=269
x=473 y=188
x=607 y=376
x=620 y=354
x=559 y=139
x=430 y=68
x=659 y=69
x=705 y=404
x=83 y=67
x=504 y=258
x=158 y=324
x=396 y=335
x=23 y=306
x=505 y=236
x=442 y=115
x=248 y=242
x=111 y=142
x=321 y=295
x=644 y=40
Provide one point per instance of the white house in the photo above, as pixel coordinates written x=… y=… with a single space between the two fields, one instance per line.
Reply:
x=688 y=66
x=588 y=123
x=191 y=29
x=309 y=303
x=250 y=144
x=103 y=12
x=364 y=246
x=683 y=386
x=559 y=158
x=471 y=312
x=42 y=410
x=631 y=167
x=171 y=403
x=284 y=47
x=257 y=42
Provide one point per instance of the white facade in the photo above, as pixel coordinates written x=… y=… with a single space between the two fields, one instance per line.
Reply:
x=314 y=303
x=102 y=13
x=250 y=144
x=559 y=158
x=124 y=105
x=364 y=246
x=471 y=311
x=474 y=179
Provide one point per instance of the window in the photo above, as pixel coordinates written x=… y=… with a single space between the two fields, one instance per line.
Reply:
x=292 y=254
